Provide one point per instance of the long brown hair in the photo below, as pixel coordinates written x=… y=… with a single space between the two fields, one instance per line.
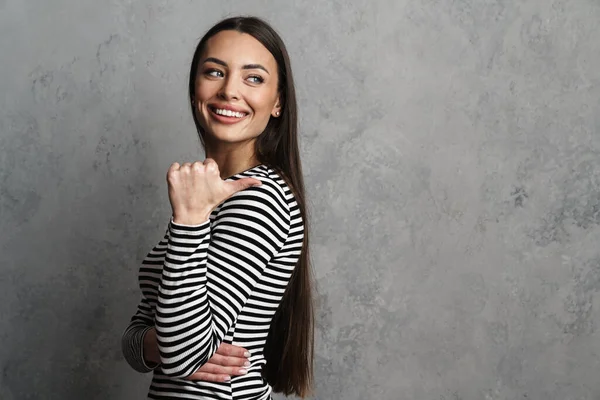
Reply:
x=290 y=346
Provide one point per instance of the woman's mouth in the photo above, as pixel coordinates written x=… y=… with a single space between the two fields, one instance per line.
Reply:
x=227 y=116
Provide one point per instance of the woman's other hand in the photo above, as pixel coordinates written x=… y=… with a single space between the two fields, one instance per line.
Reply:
x=228 y=361
x=196 y=189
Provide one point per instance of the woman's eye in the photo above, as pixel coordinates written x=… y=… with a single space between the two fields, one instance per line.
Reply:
x=214 y=72
x=256 y=79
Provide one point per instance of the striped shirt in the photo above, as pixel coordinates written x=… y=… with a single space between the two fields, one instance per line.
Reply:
x=220 y=281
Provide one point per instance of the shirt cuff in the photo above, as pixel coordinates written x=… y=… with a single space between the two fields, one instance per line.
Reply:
x=132 y=344
x=147 y=365
x=188 y=229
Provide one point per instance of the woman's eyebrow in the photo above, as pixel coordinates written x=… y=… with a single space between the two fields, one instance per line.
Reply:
x=215 y=60
x=247 y=66
x=255 y=66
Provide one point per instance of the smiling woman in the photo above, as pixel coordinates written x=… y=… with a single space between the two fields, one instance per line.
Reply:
x=229 y=285
x=234 y=86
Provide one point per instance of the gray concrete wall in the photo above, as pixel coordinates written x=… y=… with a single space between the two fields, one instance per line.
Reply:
x=452 y=157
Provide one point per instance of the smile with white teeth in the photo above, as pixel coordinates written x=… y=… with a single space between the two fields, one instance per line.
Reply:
x=229 y=113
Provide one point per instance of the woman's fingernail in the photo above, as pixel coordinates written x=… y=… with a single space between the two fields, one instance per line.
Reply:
x=247 y=364
x=247 y=354
x=243 y=372
x=227 y=378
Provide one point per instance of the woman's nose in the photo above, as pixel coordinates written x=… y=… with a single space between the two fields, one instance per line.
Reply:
x=230 y=88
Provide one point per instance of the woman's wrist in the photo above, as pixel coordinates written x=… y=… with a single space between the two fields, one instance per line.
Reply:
x=191 y=220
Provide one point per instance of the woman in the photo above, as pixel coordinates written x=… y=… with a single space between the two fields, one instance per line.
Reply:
x=233 y=266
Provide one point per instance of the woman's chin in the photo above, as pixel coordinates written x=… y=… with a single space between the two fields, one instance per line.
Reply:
x=227 y=136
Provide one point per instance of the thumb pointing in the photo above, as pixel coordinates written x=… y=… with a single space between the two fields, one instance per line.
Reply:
x=244 y=183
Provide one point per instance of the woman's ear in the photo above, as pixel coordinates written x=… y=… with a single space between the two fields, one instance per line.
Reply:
x=276 y=112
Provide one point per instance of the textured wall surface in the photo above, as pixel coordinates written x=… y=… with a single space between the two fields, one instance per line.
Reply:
x=452 y=157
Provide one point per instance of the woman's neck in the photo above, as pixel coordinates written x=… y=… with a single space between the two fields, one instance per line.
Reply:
x=233 y=159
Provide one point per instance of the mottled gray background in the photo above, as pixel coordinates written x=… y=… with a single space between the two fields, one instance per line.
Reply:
x=452 y=159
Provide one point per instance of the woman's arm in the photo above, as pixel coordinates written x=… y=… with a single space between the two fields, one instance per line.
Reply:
x=139 y=343
x=133 y=339
x=227 y=361
x=209 y=274
x=134 y=342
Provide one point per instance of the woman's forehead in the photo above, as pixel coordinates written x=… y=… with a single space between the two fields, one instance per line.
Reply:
x=237 y=48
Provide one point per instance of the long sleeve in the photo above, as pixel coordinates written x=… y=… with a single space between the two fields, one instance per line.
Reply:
x=132 y=339
x=132 y=343
x=210 y=271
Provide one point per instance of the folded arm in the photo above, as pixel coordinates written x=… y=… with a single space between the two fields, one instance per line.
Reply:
x=210 y=272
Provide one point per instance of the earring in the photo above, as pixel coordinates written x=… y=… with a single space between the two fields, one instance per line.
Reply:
x=277 y=113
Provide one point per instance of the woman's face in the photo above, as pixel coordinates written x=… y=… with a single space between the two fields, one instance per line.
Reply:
x=236 y=88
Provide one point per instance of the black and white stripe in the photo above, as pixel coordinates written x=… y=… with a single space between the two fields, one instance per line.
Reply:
x=220 y=281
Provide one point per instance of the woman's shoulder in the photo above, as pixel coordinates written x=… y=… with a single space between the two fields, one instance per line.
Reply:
x=273 y=193
x=272 y=182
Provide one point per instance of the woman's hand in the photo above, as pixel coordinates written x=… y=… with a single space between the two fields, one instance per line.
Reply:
x=196 y=189
x=227 y=361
